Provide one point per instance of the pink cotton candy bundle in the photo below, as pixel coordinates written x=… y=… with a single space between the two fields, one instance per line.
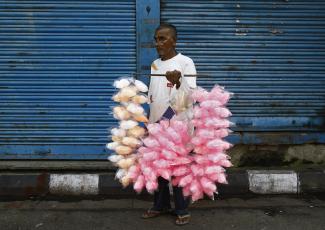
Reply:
x=211 y=123
x=205 y=133
x=151 y=142
x=194 y=162
x=218 y=144
x=218 y=93
x=165 y=147
x=216 y=123
x=181 y=127
x=211 y=109
x=150 y=156
x=198 y=112
x=180 y=170
x=208 y=186
x=139 y=183
x=210 y=104
x=221 y=112
x=222 y=132
x=154 y=129
x=199 y=94
x=201 y=178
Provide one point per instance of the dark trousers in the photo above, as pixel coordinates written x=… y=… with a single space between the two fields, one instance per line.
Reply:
x=162 y=198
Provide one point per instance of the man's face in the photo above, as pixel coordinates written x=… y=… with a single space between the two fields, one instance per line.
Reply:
x=165 y=43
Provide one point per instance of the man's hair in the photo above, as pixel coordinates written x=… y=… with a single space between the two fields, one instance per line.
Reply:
x=168 y=26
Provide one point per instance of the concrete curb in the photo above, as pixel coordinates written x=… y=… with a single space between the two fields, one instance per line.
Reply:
x=241 y=182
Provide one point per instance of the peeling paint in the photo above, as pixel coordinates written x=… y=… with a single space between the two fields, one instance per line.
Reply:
x=275 y=31
x=74 y=184
x=272 y=183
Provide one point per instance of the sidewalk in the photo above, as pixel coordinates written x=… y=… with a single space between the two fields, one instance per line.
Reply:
x=256 y=213
x=50 y=179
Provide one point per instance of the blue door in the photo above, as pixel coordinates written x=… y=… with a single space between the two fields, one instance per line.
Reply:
x=57 y=65
x=59 y=59
x=271 y=54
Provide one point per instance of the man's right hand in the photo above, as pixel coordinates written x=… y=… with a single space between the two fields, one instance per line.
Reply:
x=173 y=77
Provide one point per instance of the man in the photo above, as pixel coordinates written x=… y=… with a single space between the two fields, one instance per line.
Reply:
x=161 y=91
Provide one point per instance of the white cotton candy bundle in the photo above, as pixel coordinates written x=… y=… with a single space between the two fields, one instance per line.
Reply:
x=136 y=131
x=141 y=86
x=112 y=145
x=120 y=173
x=135 y=109
x=127 y=138
x=122 y=83
x=116 y=139
x=122 y=98
x=121 y=113
x=115 y=158
x=123 y=150
x=140 y=118
x=125 y=181
x=129 y=91
x=131 y=142
x=126 y=163
x=128 y=124
x=118 y=132
x=139 y=99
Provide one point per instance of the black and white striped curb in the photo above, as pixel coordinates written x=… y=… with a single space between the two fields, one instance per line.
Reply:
x=93 y=184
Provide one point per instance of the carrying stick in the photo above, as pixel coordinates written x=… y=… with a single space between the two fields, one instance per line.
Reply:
x=164 y=75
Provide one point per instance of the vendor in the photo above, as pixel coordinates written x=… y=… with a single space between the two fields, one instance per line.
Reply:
x=161 y=91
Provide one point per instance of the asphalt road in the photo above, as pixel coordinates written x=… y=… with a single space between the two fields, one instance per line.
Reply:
x=260 y=213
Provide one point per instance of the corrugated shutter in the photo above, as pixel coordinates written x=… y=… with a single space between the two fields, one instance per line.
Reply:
x=57 y=64
x=271 y=54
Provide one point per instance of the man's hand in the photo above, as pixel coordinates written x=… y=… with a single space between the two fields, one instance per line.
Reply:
x=173 y=77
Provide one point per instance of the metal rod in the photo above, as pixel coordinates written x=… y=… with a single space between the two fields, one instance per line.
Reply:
x=164 y=75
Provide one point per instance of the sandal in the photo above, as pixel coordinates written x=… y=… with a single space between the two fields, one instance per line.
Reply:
x=183 y=219
x=151 y=213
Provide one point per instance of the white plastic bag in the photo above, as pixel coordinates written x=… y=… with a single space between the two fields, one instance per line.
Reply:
x=181 y=101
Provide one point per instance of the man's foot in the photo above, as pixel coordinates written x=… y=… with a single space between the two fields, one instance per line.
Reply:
x=183 y=219
x=150 y=213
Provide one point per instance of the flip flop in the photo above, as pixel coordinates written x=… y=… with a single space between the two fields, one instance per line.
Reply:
x=151 y=213
x=183 y=219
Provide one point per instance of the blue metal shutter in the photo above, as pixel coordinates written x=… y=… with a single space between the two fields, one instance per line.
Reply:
x=57 y=65
x=271 y=54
